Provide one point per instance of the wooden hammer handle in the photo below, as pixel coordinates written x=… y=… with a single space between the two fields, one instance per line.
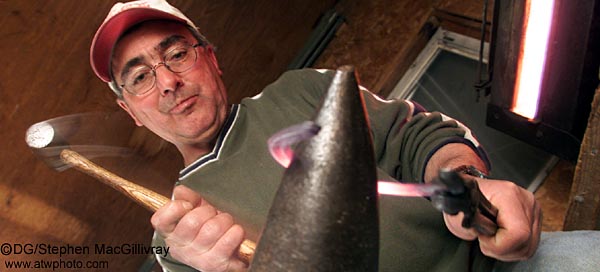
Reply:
x=147 y=198
x=142 y=195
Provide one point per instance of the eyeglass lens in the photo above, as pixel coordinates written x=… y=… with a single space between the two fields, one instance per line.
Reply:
x=141 y=79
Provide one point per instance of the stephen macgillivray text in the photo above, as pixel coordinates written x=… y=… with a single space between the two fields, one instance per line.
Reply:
x=131 y=249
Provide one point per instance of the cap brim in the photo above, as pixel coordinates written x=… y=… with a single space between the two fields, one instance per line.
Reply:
x=110 y=31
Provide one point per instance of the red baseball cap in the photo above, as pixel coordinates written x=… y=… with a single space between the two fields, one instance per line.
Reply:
x=121 y=17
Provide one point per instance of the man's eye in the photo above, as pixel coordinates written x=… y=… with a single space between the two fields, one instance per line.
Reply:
x=139 y=78
x=177 y=55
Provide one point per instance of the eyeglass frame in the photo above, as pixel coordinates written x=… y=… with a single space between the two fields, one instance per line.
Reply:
x=154 y=67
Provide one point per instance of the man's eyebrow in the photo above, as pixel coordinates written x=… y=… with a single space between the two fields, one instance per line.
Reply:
x=168 y=42
x=161 y=47
x=131 y=63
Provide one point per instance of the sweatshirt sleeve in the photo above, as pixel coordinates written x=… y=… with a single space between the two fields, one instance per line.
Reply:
x=405 y=136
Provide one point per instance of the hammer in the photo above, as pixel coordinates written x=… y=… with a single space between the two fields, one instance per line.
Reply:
x=48 y=138
x=41 y=136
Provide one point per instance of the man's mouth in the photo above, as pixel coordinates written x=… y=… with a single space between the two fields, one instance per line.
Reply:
x=183 y=105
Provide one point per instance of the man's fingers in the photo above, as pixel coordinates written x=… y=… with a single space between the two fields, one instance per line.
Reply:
x=518 y=219
x=519 y=227
x=212 y=230
x=182 y=192
x=505 y=246
x=229 y=243
x=214 y=245
x=537 y=228
x=165 y=219
x=198 y=234
x=188 y=227
x=454 y=224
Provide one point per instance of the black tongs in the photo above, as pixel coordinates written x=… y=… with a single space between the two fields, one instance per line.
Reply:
x=463 y=195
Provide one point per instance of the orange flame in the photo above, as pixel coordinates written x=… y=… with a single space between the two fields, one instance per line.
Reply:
x=532 y=57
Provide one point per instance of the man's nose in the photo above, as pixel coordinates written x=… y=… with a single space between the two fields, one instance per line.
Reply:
x=166 y=80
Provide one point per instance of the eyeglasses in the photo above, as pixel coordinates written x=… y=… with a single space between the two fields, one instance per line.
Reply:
x=141 y=79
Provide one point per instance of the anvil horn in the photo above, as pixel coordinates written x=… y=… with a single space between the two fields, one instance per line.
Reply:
x=324 y=216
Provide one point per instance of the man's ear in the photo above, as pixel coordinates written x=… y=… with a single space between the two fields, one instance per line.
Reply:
x=124 y=106
x=213 y=58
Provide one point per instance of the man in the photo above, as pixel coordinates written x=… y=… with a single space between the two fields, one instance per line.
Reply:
x=166 y=76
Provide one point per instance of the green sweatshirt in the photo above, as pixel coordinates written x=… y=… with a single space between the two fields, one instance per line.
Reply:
x=240 y=177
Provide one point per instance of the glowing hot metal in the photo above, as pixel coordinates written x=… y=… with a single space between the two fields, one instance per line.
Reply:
x=409 y=189
x=281 y=150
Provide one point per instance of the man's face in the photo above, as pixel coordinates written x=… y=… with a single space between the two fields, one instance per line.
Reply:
x=186 y=109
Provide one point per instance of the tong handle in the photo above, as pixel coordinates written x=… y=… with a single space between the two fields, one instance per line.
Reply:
x=463 y=195
x=485 y=218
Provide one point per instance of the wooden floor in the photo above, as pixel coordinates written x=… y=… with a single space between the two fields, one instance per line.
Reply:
x=553 y=195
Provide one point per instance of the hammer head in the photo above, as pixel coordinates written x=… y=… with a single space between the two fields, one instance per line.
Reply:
x=39 y=135
x=78 y=132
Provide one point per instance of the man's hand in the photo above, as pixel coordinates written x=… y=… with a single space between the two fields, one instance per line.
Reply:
x=519 y=218
x=197 y=234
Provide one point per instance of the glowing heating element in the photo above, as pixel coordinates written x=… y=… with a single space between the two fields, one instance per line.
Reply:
x=538 y=20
